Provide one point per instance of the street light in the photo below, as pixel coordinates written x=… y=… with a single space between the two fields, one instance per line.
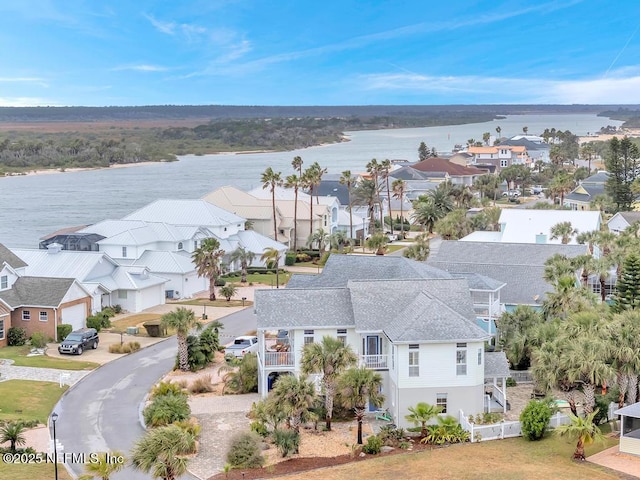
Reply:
x=54 y=418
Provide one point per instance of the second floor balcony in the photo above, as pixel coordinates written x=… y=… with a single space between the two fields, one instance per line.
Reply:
x=375 y=362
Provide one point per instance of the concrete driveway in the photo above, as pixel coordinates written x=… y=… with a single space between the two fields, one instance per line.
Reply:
x=101 y=413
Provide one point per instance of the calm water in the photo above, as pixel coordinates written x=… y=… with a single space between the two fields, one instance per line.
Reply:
x=33 y=206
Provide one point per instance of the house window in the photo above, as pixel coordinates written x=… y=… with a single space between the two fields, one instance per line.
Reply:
x=393 y=357
x=26 y=315
x=180 y=246
x=4 y=282
x=342 y=335
x=461 y=359
x=414 y=360
x=124 y=252
x=479 y=356
x=195 y=244
x=1 y=329
x=308 y=336
x=504 y=163
x=122 y=294
x=44 y=316
x=441 y=401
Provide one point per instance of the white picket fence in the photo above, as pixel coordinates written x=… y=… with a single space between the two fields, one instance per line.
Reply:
x=496 y=431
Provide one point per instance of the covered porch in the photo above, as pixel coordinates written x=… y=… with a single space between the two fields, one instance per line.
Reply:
x=496 y=372
x=374 y=350
x=629 y=429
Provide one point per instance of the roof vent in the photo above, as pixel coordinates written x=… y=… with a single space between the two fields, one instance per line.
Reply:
x=54 y=248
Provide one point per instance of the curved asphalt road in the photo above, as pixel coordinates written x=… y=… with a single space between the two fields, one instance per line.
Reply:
x=101 y=412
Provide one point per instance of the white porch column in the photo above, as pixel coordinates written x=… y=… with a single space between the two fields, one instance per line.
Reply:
x=504 y=391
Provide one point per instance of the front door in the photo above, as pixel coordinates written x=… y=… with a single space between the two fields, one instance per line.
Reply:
x=372 y=346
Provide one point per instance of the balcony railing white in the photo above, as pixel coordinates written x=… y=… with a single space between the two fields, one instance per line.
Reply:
x=374 y=361
x=279 y=359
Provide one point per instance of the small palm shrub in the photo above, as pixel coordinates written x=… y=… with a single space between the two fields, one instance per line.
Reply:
x=287 y=441
x=228 y=291
x=166 y=388
x=446 y=431
x=201 y=385
x=190 y=426
x=373 y=445
x=244 y=451
x=391 y=436
x=535 y=419
x=166 y=409
x=38 y=340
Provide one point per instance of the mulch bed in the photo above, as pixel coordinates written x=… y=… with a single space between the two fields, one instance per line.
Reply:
x=303 y=464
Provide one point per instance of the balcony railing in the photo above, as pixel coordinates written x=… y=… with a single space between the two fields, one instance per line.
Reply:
x=374 y=361
x=279 y=359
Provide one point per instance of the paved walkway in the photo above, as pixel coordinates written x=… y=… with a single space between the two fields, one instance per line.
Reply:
x=220 y=418
x=68 y=377
x=621 y=462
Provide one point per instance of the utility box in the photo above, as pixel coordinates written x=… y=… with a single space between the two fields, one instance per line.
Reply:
x=132 y=330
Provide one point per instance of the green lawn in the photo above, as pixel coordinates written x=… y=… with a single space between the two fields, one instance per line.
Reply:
x=28 y=400
x=32 y=471
x=264 y=278
x=395 y=248
x=513 y=458
x=19 y=356
x=219 y=302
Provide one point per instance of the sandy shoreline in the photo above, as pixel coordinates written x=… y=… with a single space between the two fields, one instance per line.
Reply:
x=52 y=171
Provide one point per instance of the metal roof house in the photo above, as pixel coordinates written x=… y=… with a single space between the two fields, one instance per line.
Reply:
x=629 y=429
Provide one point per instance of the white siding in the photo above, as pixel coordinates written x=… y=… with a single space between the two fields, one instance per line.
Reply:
x=617 y=224
x=74 y=293
x=150 y=297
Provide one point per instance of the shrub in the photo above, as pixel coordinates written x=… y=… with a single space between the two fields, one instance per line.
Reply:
x=166 y=409
x=63 y=330
x=201 y=385
x=38 y=340
x=259 y=427
x=373 y=445
x=535 y=419
x=391 y=436
x=244 y=451
x=303 y=257
x=289 y=259
x=189 y=426
x=220 y=282
x=287 y=441
x=446 y=431
x=166 y=388
x=16 y=337
x=511 y=382
x=115 y=348
x=128 y=347
x=228 y=291
x=325 y=257
x=486 y=418
x=94 y=322
x=117 y=308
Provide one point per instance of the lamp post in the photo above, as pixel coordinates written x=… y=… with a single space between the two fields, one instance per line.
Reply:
x=204 y=311
x=54 y=418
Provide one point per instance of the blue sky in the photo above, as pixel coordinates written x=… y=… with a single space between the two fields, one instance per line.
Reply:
x=334 y=52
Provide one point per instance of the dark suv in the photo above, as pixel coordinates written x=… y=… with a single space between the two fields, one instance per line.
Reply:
x=76 y=342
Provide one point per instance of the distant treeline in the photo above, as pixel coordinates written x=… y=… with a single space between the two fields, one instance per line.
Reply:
x=630 y=117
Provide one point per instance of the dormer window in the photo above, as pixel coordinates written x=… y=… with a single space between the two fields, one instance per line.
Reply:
x=180 y=246
x=124 y=252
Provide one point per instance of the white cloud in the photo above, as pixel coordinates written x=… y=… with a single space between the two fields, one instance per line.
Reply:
x=141 y=68
x=163 y=27
x=27 y=102
x=615 y=89
x=188 y=30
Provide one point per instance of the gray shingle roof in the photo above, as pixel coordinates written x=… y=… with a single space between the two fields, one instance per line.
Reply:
x=339 y=269
x=496 y=365
x=10 y=258
x=37 y=292
x=480 y=282
x=298 y=308
x=630 y=217
x=519 y=265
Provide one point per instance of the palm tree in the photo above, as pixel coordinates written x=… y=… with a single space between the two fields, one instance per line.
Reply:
x=625 y=336
x=378 y=242
x=338 y=239
x=207 y=260
x=240 y=377
x=228 y=290
x=589 y=238
x=103 y=466
x=296 y=163
x=602 y=267
x=162 y=452
x=182 y=320
x=498 y=130
x=425 y=213
x=564 y=231
x=329 y=357
x=366 y=193
x=296 y=395
x=271 y=180
x=245 y=257
x=398 y=187
x=583 y=263
x=421 y=414
x=295 y=182
x=556 y=267
x=13 y=432
x=561 y=185
x=319 y=237
x=582 y=429
x=486 y=136
x=357 y=386
x=374 y=168
x=311 y=178
x=317 y=177
x=420 y=249
x=349 y=181
x=271 y=257
x=385 y=169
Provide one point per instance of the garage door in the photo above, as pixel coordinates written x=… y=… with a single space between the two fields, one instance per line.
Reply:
x=75 y=316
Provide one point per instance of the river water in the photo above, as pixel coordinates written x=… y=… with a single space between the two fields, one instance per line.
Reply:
x=35 y=205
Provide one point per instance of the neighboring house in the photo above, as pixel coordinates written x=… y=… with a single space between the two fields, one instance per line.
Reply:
x=519 y=266
x=499 y=156
x=580 y=198
x=439 y=169
x=39 y=304
x=629 y=429
x=622 y=220
x=536 y=148
x=134 y=288
x=534 y=226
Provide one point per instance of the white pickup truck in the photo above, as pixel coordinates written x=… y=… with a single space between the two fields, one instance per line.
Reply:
x=243 y=345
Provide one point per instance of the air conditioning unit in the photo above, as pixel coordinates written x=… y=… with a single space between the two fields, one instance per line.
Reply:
x=176 y=293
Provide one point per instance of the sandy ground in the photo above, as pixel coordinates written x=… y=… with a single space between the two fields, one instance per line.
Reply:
x=622 y=462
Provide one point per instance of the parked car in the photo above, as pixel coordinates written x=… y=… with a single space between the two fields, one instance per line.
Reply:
x=511 y=193
x=537 y=189
x=76 y=342
x=391 y=236
x=243 y=345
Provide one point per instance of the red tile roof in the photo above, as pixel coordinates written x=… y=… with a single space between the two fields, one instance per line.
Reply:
x=438 y=164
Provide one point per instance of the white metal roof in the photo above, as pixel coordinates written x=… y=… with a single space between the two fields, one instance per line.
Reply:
x=185 y=212
x=522 y=225
x=66 y=264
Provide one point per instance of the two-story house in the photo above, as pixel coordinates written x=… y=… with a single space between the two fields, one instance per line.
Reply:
x=499 y=156
x=416 y=327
